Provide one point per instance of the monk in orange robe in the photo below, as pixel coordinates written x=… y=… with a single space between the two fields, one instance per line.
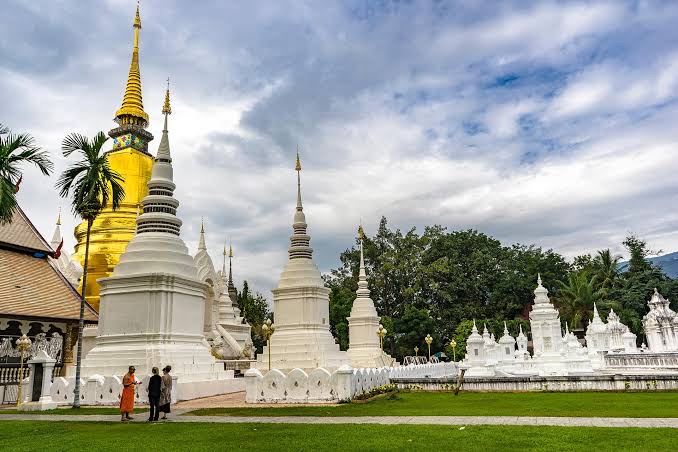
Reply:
x=127 y=399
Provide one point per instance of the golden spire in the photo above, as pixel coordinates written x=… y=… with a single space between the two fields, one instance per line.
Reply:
x=361 y=233
x=230 y=250
x=132 y=109
x=59 y=218
x=298 y=166
x=166 y=108
x=202 y=225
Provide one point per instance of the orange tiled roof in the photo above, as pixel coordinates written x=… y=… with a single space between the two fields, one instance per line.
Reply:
x=32 y=287
x=21 y=233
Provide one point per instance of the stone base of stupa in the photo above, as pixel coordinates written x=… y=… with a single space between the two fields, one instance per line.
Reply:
x=369 y=357
x=305 y=347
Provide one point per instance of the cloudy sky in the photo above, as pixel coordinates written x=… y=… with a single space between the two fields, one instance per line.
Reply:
x=551 y=123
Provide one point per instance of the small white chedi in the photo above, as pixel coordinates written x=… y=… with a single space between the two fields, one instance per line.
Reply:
x=227 y=334
x=302 y=337
x=152 y=307
x=555 y=352
x=364 y=347
x=661 y=325
x=71 y=270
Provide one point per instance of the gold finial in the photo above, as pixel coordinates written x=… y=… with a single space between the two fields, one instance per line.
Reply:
x=59 y=217
x=298 y=166
x=132 y=109
x=137 y=18
x=230 y=250
x=202 y=225
x=361 y=233
x=166 y=108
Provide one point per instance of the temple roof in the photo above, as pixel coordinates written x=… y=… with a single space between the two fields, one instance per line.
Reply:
x=30 y=285
x=20 y=234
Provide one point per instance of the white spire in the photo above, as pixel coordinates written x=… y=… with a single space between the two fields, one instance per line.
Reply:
x=299 y=241
x=475 y=328
x=595 y=312
x=160 y=206
x=506 y=332
x=201 y=243
x=56 y=237
x=363 y=289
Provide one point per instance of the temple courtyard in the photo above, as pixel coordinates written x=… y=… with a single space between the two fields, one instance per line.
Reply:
x=401 y=420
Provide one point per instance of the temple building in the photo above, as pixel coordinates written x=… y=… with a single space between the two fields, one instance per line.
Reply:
x=129 y=157
x=71 y=270
x=36 y=299
x=302 y=336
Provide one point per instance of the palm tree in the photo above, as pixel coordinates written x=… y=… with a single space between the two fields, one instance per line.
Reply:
x=606 y=267
x=15 y=150
x=92 y=184
x=576 y=297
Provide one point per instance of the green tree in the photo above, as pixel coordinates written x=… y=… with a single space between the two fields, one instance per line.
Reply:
x=16 y=150
x=92 y=184
x=576 y=298
x=341 y=302
x=254 y=309
x=410 y=330
x=605 y=267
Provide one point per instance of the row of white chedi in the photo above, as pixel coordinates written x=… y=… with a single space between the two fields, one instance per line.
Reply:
x=660 y=325
x=300 y=300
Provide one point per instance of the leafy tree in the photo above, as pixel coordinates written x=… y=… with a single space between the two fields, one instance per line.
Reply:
x=410 y=330
x=605 y=267
x=92 y=184
x=14 y=151
x=341 y=302
x=255 y=311
x=576 y=298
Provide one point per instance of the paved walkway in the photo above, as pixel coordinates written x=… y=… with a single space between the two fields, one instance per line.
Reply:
x=386 y=420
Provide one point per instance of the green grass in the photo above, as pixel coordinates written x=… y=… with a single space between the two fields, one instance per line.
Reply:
x=79 y=436
x=576 y=404
x=81 y=411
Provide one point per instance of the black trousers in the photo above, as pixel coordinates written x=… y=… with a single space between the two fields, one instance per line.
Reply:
x=154 y=402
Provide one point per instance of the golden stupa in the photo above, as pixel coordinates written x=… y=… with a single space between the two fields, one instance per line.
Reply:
x=112 y=230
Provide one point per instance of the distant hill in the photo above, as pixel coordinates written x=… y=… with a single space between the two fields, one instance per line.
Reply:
x=667 y=262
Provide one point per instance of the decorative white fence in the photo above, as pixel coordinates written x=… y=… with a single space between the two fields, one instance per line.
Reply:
x=318 y=386
x=321 y=386
x=438 y=370
x=98 y=390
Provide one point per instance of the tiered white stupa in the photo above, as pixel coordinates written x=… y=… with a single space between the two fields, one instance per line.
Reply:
x=661 y=325
x=152 y=307
x=545 y=325
x=364 y=349
x=302 y=337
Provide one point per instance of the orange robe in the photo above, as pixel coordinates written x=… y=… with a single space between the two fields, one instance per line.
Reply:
x=127 y=399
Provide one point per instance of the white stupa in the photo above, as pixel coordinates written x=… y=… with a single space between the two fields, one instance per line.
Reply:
x=545 y=325
x=71 y=270
x=152 y=306
x=364 y=349
x=302 y=335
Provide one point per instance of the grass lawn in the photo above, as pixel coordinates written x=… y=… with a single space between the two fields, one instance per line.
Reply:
x=575 y=404
x=43 y=435
x=80 y=411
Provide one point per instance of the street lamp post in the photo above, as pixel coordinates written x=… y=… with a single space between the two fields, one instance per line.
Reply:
x=268 y=328
x=453 y=344
x=22 y=344
x=381 y=332
x=428 y=339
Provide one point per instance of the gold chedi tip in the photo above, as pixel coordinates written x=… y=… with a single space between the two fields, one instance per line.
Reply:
x=59 y=218
x=230 y=251
x=361 y=233
x=298 y=165
x=132 y=109
x=166 y=107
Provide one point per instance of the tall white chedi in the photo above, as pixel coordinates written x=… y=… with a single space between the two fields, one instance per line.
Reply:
x=302 y=335
x=661 y=325
x=152 y=306
x=364 y=349
x=545 y=325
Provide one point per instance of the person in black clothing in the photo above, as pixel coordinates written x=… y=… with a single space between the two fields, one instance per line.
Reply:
x=154 y=385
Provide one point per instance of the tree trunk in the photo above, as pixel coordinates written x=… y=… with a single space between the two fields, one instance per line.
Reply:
x=81 y=324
